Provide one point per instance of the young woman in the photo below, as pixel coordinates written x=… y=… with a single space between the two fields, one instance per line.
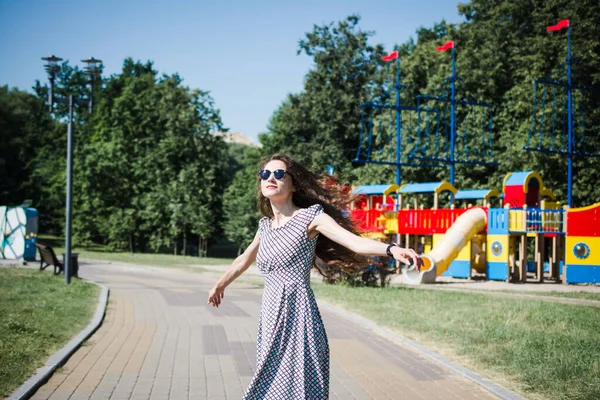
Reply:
x=303 y=218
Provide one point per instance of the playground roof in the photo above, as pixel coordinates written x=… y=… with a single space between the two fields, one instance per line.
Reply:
x=430 y=187
x=375 y=189
x=522 y=178
x=476 y=194
x=545 y=192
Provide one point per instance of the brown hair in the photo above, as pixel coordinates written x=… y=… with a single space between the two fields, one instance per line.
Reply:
x=309 y=189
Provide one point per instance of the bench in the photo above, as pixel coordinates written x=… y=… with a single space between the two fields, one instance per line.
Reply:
x=49 y=258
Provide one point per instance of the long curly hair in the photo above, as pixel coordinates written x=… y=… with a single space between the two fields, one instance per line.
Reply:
x=310 y=189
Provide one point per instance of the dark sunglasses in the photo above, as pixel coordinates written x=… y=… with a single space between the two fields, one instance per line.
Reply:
x=279 y=174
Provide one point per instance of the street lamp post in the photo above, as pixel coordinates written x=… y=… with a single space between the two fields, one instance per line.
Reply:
x=93 y=70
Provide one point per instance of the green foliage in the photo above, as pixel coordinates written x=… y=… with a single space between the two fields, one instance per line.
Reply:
x=149 y=173
x=26 y=129
x=240 y=204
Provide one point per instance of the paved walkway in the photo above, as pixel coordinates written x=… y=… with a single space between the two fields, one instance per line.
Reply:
x=160 y=340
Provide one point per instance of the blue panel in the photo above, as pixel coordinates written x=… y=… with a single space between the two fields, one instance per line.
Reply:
x=517 y=178
x=497 y=271
x=471 y=194
x=497 y=221
x=428 y=187
x=459 y=269
x=370 y=189
x=583 y=273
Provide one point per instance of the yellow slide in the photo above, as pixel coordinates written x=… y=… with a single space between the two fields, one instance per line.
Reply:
x=438 y=260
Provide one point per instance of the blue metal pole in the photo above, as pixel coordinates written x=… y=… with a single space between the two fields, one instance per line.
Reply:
x=398 y=124
x=452 y=119
x=570 y=127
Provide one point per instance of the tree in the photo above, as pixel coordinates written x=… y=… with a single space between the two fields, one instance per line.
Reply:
x=319 y=126
x=240 y=202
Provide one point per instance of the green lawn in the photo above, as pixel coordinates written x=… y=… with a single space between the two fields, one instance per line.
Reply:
x=39 y=314
x=543 y=350
x=570 y=295
x=98 y=252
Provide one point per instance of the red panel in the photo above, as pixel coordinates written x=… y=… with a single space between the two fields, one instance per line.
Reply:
x=375 y=200
x=514 y=195
x=427 y=222
x=366 y=220
x=372 y=216
x=359 y=218
x=584 y=223
x=360 y=202
x=415 y=222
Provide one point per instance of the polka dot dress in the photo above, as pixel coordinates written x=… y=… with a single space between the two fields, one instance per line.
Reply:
x=292 y=349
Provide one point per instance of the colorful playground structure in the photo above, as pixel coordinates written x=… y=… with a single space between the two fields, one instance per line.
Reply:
x=516 y=235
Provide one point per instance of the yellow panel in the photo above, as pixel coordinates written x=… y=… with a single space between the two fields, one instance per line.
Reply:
x=465 y=253
x=436 y=239
x=517 y=220
x=545 y=192
x=503 y=257
x=529 y=177
x=393 y=188
x=593 y=242
x=581 y=209
x=446 y=186
x=492 y=193
x=391 y=223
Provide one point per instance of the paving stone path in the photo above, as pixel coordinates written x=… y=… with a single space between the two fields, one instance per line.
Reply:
x=160 y=340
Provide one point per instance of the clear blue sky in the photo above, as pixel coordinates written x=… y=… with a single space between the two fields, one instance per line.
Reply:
x=243 y=52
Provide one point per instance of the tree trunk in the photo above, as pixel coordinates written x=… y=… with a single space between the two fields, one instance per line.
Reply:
x=175 y=246
x=184 y=242
x=131 y=243
x=199 y=246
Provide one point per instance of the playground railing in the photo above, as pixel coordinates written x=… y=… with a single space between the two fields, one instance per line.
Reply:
x=427 y=222
x=367 y=220
x=498 y=220
x=359 y=218
x=535 y=220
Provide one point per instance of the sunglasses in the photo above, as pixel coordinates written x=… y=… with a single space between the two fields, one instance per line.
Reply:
x=279 y=174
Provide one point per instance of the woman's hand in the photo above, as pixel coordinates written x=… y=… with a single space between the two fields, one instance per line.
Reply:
x=215 y=295
x=405 y=256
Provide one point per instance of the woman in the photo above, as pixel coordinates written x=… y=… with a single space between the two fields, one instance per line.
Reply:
x=302 y=218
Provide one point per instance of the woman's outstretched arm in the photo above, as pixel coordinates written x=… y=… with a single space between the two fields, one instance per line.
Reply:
x=239 y=265
x=327 y=226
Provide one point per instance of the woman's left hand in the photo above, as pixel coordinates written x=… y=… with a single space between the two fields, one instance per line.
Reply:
x=405 y=256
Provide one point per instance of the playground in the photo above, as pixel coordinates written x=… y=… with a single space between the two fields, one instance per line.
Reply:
x=516 y=231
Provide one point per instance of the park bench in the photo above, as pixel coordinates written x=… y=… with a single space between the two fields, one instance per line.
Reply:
x=48 y=257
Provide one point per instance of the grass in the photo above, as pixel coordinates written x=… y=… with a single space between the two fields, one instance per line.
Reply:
x=38 y=315
x=98 y=252
x=570 y=295
x=540 y=349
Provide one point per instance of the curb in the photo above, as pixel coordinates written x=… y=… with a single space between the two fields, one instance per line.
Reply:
x=27 y=389
x=487 y=384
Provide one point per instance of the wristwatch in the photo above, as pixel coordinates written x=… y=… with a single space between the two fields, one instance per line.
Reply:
x=387 y=251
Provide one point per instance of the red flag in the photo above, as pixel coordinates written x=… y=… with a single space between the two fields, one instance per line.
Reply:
x=392 y=56
x=561 y=24
x=448 y=45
